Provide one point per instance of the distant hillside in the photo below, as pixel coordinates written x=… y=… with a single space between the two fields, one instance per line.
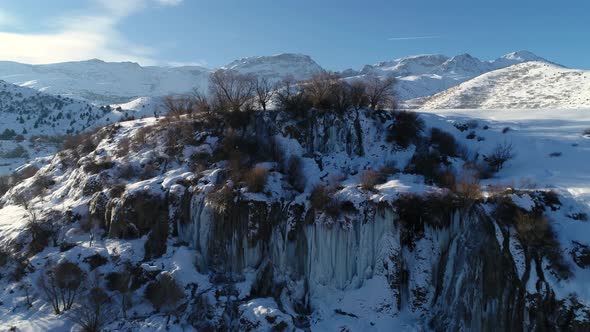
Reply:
x=105 y=83
x=527 y=85
x=424 y=75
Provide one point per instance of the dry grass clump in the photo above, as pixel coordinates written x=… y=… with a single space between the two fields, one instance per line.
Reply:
x=256 y=179
x=369 y=179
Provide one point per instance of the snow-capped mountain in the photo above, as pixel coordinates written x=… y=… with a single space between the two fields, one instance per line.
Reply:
x=527 y=85
x=424 y=75
x=103 y=83
x=275 y=67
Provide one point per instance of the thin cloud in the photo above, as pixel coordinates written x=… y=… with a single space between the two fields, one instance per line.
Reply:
x=82 y=36
x=6 y=18
x=413 y=38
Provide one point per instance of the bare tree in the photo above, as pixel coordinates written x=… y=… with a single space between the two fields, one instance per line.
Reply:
x=358 y=94
x=499 y=156
x=265 y=91
x=119 y=282
x=201 y=102
x=231 y=90
x=292 y=96
x=95 y=311
x=61 y=285
x=340 y=96
x=178 y=105
x=380 y=91
x=320 y=89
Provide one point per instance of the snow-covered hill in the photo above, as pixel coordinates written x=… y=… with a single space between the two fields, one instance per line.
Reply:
x=275 y=67
x=289 y=223
x=32 y=122
x=104 y=83
x=424 y=75
x=529 y=85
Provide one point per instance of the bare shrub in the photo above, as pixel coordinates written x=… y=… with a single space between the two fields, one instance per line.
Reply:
x=295 y=173
x=406 y=129
x=61 y=285
x=428 y=164
x=468 y=189
x=165 y=294
x=499 y=156
x=341 y=96
x=369 y=179
x=201 y=102
x=292 y=97
x=221 y=197
x=322 y=199
x=537 y=235
x=231 y=90
x=379 y=92
x=445 y=142
x=123 y=147
x=177 y=106
x=95 y=311
x=139 y=139
x=95 y=167
x=41 y=234
x=319 y=89
x=119 y=282
x=256 y=179
x=358 y=94
x=83 y=143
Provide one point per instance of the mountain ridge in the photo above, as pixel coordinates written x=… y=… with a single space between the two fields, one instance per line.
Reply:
x=101 y=82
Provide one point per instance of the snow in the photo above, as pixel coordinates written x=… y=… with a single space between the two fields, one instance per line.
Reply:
x=531 y=85
x=427 y=74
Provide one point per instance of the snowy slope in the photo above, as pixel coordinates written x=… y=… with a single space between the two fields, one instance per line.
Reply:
x=104 y=82
x=275 y=67
x=529 y=85
x=341 y=295
x=40 y=119
x=424 y=75
x=110 y=83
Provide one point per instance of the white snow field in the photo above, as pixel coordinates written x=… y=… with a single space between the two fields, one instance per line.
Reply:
x=530 y=85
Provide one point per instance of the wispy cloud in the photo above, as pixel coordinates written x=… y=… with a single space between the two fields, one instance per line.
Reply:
x=413 y=38
x=7 y=18
x=82 y=36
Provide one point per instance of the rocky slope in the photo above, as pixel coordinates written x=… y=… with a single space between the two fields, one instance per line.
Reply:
x=531 y=85
x=34 y=122
x=331 y=239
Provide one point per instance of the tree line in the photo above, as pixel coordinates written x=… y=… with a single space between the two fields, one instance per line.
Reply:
x=231 y=91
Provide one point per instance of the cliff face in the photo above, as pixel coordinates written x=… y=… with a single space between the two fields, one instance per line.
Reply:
x=315 y=247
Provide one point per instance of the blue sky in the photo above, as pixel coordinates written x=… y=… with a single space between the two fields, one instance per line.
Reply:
x=337 y=34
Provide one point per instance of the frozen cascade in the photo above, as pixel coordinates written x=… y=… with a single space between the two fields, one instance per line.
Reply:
x=326 y=255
